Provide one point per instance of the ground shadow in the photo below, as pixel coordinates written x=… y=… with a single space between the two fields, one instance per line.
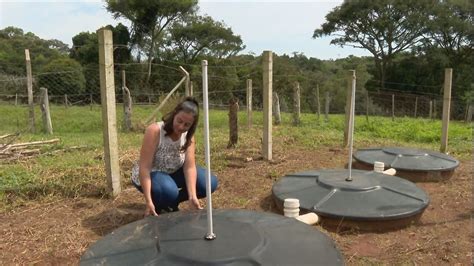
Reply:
x=113 y=218
x=460 y=217
x=268 y=205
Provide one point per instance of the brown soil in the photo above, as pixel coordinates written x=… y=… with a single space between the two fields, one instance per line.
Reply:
x=58 y=232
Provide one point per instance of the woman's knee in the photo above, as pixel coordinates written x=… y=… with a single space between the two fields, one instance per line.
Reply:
x=163 y=188
x=201 y=181
x=214 y=183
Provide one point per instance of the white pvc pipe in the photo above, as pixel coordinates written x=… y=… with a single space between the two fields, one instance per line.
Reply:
x=379 y=167
x=291 y=207
x=210 y=234
x=351 y=126
x=309 y=218
x=390 y=171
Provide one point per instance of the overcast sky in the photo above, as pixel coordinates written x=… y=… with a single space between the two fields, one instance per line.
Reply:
x=279 y=26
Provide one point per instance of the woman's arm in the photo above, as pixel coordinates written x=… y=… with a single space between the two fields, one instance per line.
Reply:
x=151 y=140
x=190 y=174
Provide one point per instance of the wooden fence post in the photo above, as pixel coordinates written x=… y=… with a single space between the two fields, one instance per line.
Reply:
x=296 y=104
x=267 y=105
x=367 y=106
x=46 y=115
x=31 y=106
x=416 y=105
x=187 y=86
x=65 y=101
x=233 y=122
x=431 y=110
x=127 y=105
x=393 y=107
x=318 y=109
x=469 y=113
x=249 y=103
x=109 y=119
x=276 y=108
x=326 y=107
x=155 y=112
x=187 y=90
x=448 y=76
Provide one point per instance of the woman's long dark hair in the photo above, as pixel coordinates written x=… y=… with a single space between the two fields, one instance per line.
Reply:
x=187 y=105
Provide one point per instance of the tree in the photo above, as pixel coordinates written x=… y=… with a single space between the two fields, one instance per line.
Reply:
x=121 y=39
x=451 y=27
x=384 y=28
x=451 y=30
x=59 y=46
x=85 y=50
x=201 y=35
x=149 y=20
x=86 y=47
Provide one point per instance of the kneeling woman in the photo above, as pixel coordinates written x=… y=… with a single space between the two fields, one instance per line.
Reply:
x=168 y=174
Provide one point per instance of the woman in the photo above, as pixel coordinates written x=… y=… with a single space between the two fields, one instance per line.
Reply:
x=167 y=171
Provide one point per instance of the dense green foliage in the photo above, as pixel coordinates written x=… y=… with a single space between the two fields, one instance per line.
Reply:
x=384 y=28
x=196 y=36
x=13 y=42
x=66 y=74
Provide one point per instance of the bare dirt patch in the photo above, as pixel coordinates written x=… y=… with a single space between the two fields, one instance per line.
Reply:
x=59 y=231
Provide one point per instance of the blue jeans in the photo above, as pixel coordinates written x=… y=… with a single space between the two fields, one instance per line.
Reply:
x=168 y=190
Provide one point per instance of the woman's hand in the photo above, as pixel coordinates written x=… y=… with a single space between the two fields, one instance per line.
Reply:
x=150 y=209
x=194 y=203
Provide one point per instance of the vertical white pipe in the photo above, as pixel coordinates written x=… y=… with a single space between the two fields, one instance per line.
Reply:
x=351 y=125
x=210 y=235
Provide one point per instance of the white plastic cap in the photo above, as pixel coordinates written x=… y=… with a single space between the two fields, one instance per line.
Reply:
x=291 y=203
x=379 y=166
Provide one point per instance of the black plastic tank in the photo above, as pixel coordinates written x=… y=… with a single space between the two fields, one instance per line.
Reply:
x=416 y=165
x=371 y=201
x=243 y=237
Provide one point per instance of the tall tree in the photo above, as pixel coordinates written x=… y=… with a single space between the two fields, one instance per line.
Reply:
x=149 y=20
x=451 y=27
x=384 y=28
x=85 y=50
x=62 y=76
x=201 y=35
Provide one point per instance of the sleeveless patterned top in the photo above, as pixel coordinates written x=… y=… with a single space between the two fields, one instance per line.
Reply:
x=168 y=157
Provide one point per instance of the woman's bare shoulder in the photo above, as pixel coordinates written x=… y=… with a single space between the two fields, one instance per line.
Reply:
x=152 y=130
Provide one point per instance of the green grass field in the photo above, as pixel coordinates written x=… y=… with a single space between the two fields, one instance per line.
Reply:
x=74 y=166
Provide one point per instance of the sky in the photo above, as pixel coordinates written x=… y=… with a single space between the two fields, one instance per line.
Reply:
x=283 y=27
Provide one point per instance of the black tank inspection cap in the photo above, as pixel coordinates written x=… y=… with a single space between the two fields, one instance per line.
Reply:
x=242 y=238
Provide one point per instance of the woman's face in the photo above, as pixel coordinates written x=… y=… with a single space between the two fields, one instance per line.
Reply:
x=182 y=122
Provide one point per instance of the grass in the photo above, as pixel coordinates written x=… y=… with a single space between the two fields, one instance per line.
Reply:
x=79 y=172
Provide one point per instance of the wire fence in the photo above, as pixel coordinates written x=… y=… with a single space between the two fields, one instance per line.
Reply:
x=83 y=88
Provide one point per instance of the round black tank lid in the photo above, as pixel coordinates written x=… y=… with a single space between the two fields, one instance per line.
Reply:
x=407 y=159
x=370 y=196
x=243 y=237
